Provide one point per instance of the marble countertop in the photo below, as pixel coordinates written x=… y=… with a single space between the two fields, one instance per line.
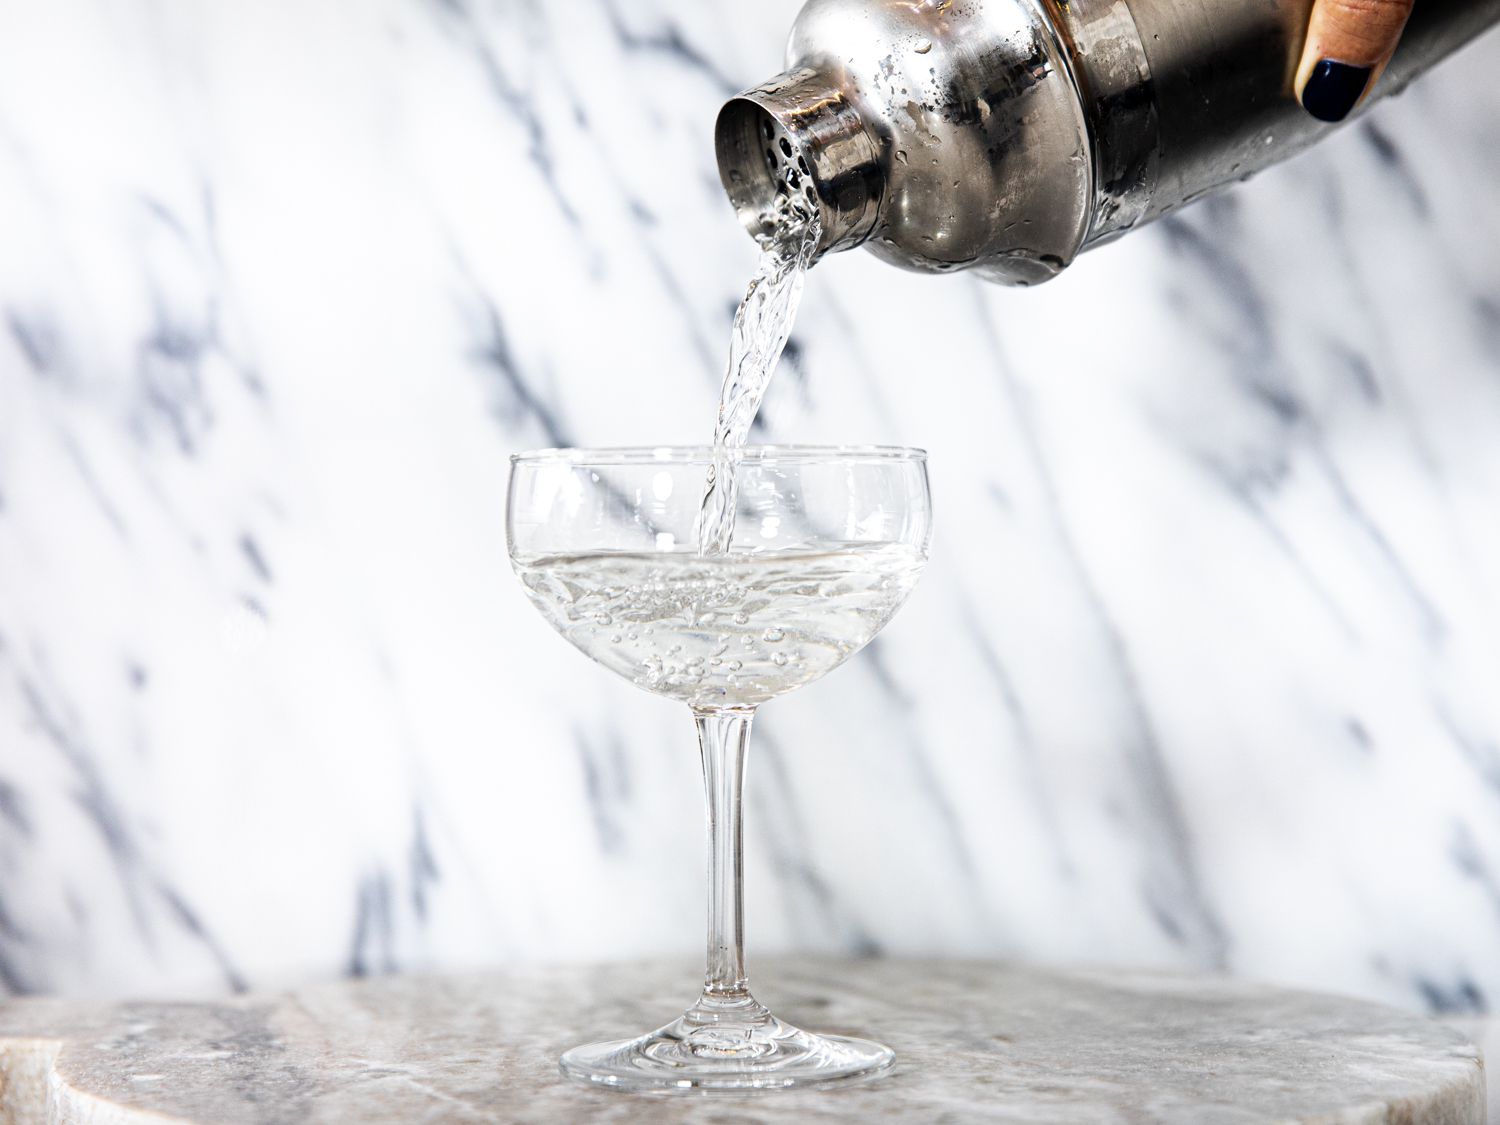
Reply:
x=975 y=1041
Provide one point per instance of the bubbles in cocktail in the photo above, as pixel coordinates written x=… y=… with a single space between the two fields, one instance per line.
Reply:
x=723 y=630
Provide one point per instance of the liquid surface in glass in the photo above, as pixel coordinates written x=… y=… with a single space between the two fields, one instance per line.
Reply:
x=730 y=630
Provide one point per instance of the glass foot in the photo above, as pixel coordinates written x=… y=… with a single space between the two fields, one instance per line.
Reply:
x=726 y=1046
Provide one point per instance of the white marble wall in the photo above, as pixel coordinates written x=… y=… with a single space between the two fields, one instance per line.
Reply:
x=1205 y=670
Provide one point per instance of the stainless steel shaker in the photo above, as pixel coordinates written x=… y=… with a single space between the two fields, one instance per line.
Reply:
x=1007 y=135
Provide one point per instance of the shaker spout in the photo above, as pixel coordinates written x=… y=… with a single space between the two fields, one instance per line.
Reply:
x=800 y=135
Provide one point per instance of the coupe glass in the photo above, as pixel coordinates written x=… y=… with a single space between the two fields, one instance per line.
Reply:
x=827 y=544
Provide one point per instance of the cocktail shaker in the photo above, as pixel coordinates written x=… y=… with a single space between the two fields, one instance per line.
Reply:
x=1007 y=135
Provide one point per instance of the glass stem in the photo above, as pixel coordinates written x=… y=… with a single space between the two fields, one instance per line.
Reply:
x=723 y=738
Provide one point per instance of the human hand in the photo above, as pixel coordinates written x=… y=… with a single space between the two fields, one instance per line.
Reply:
x=1348 y=44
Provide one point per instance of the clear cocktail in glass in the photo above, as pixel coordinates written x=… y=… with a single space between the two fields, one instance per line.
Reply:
x=827 y=544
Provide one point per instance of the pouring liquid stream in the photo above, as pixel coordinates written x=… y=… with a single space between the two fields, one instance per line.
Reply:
x=762 y=324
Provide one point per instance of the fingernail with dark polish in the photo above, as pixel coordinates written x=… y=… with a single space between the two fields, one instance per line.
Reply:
x=1333 y=89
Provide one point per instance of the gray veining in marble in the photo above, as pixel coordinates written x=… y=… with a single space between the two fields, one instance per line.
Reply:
x=975 y=1042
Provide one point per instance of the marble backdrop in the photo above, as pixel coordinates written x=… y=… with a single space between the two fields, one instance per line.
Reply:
x=1205 y=671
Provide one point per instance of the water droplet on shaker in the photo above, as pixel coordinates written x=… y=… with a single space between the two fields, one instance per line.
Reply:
x=772 y=635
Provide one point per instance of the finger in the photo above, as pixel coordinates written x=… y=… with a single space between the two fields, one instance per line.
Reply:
x=1348 y=44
